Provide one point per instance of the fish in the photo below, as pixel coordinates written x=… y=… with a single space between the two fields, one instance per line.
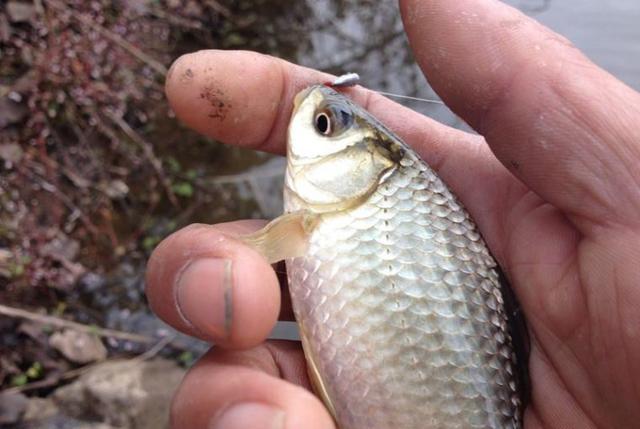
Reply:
x=400 y=304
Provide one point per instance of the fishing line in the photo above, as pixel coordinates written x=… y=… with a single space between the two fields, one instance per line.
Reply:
x=352 y=79
x=408 y=97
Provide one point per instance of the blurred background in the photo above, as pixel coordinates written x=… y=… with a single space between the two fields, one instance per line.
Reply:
x=95 y=171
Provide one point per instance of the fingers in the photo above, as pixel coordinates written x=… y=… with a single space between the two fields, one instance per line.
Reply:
x=564 y=126
x=245 y=98
x=237 y=97
x=264 y=388
x=207 y=284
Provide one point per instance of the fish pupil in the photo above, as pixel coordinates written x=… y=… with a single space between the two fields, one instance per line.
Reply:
x=323 y=125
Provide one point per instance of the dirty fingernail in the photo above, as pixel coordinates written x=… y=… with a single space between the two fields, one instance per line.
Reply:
x=250 y=416
x=205 y=295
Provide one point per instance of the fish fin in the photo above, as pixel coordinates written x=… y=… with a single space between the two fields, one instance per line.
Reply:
x=286 y=236
x=314 y=375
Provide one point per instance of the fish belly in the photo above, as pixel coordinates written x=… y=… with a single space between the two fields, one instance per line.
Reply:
x=400 y=306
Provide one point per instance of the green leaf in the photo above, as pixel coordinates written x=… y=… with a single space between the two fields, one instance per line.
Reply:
x=173 y=164
x=35 y=371
x=183 y=189
x=171 y=225
x=16 y=270
x=186 y=358
x=19 y=380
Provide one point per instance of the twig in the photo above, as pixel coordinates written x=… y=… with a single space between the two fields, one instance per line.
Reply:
x=157 y=348
x=222 y=10
x=63 y=323
x=77 y=372
x=176 y=19
x=127 y=46
x=49 y=187
x=50 y=381
x=147 y=149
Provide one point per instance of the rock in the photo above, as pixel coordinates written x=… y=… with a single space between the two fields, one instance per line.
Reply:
x=42 y=413
x=12 y=407
x=78 y=347
x=116 y=189
x=61 y=247
x=40 y=409
x=20 y=12
x=124 y=393
x=11 y=112
x=11 y=152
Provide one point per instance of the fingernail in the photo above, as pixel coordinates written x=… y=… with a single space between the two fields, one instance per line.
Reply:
x=205 y=295
x=249 y=416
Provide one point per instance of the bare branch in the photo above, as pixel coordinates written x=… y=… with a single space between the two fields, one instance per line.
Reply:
x=77 y=372
x=63 y=323
x=127 y=46
x=147 y=149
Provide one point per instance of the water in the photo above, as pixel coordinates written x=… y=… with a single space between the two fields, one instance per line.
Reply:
x=607 y=31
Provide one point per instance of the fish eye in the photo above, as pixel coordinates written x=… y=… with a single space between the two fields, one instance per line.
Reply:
x=333 y=120
x=323 y=123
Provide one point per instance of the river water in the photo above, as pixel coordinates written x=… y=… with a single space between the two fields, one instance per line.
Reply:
x=373 y=44
x=606 y=30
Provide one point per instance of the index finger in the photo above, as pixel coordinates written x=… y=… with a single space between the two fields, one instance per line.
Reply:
x=245 y=98
x=237 y=97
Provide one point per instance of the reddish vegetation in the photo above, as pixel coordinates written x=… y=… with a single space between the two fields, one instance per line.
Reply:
x=90 y=171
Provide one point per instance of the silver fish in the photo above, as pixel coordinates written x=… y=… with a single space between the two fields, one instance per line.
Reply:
x=398 y=299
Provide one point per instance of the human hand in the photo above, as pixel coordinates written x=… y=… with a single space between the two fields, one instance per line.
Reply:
x=555 y=190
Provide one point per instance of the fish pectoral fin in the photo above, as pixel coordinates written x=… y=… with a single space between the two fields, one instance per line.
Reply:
x=314 y=375
x=286 y=236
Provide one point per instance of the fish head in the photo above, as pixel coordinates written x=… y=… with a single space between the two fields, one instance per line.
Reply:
x=337 y=153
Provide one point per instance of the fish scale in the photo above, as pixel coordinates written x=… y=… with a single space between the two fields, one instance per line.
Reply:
x=400 y=303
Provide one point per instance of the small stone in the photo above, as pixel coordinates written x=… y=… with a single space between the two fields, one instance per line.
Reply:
x=20 y=12
x=11 y=152
x=123 y=393
x=12 y=407
x=40 y=408
x=61 y=247
x=11 y=112
x=78 y=347
x=116 y=189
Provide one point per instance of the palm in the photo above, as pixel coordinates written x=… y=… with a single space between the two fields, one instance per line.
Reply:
x=578 y=360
